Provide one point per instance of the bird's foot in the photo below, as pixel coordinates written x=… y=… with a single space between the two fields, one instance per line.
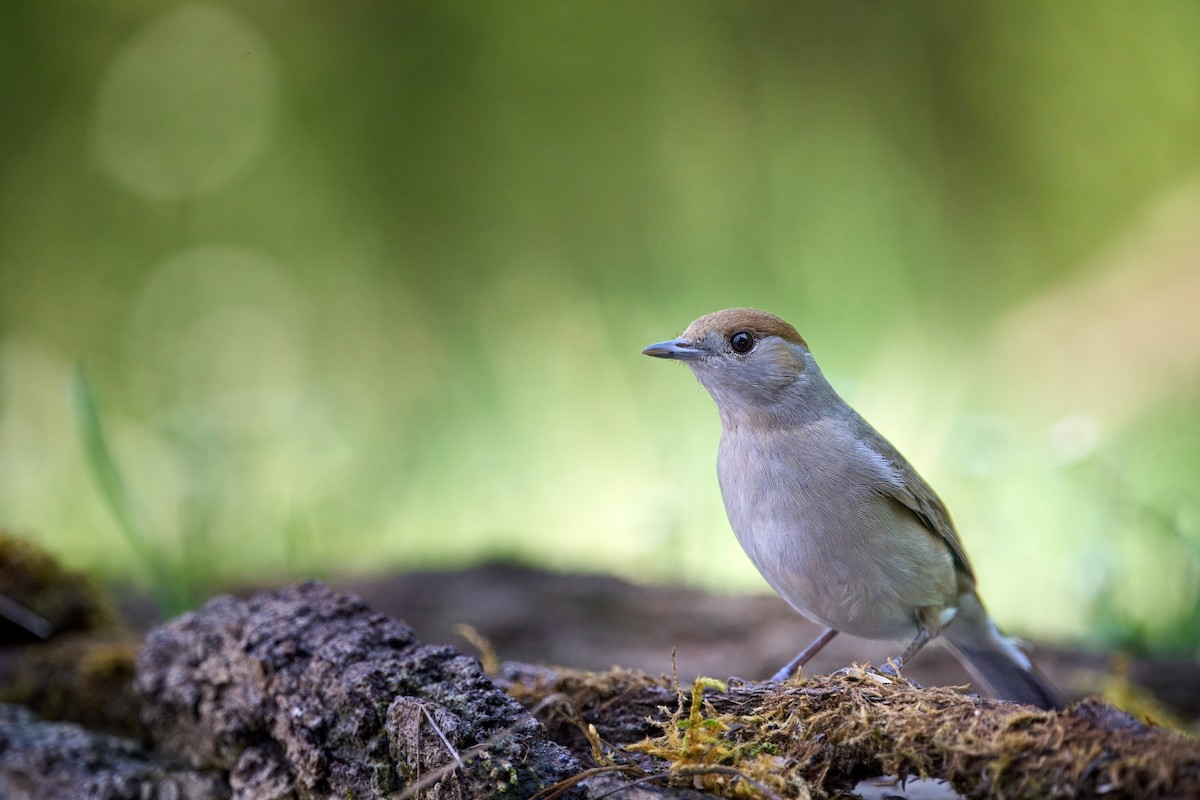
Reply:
x=892 y=670
x=855 y=671
x=785 y=674
x=887 y=673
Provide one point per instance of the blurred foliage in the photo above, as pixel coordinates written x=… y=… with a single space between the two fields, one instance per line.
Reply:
x=362 y=286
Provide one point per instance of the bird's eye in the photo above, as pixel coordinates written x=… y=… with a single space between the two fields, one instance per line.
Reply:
x=741 y=342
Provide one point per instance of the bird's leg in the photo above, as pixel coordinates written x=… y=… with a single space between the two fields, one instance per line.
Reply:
x=805 y=655
x=896 y=664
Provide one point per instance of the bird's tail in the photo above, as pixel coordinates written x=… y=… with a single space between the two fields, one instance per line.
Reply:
x=995 y=661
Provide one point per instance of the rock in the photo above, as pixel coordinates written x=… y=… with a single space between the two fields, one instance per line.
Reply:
x=56 y=760
x=308 y=693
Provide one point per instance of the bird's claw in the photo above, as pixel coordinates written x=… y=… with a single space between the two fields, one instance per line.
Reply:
x=862 y=673
x=784 y=675
x=885 y=673
x=889 y=669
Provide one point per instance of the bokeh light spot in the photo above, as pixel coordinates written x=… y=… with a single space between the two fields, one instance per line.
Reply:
x=187 y=104
x=216 y=323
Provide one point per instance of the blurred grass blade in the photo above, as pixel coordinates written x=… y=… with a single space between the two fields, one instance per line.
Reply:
x=119 y=501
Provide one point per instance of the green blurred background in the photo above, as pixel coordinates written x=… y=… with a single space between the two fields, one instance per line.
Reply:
x=362 y=286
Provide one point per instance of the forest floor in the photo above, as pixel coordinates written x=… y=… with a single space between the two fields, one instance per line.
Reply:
x=608 y=645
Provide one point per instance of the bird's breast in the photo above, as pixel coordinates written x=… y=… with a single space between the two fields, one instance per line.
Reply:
x=810 y=516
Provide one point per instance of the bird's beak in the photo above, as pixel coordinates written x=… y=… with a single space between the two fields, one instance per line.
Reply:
x=677 y=349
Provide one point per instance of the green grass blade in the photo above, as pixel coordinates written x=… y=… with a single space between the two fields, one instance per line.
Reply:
x=117 y=497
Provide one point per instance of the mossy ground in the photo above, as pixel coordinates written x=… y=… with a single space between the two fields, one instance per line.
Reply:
x=820 y=736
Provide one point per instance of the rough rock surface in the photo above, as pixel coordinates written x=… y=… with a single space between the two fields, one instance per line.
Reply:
x=57 y=760
x=309 y=693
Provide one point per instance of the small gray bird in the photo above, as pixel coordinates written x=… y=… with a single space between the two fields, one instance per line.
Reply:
x=835 y=519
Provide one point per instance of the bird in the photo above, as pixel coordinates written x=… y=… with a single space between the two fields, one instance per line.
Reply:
x=836 y=520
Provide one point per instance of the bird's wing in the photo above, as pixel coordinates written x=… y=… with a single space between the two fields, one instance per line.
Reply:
x=910 y=490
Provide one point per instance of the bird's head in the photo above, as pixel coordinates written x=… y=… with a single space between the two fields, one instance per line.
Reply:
x=748 y=360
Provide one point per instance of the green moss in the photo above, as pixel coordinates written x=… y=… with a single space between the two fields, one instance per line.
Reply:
x=34 y=579
x=815 y=737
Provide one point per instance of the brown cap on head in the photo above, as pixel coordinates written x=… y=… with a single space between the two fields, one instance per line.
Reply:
x=753 y=321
